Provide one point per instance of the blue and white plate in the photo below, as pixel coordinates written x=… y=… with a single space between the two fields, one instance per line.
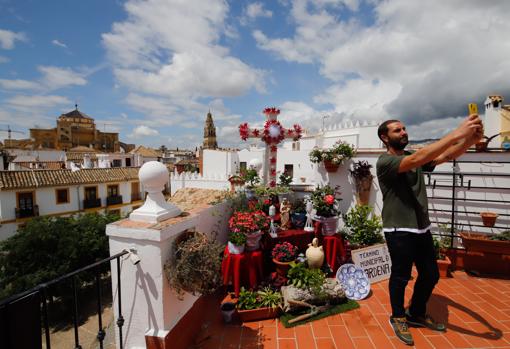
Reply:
x=354 y=281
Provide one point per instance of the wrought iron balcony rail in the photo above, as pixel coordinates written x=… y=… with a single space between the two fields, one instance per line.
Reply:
x=41 y=291
x=27 y=212
x=91 y=203
x=114 y=200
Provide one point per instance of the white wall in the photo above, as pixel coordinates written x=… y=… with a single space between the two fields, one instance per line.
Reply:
x=219 y=162
x=195 y=180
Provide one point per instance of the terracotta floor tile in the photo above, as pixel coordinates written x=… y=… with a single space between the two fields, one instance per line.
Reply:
x=250 y=343
x=305 y=337
x=421 y=341
x=439 y=341
x=378 y=336
x=335 y=320
x=320 y=328
x=324 y=343
x=458 y=340
x=341 y=337
x=283 y=332
x=287 y=344
x=363 y=343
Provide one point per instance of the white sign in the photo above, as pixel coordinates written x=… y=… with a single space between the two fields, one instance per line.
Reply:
x=374 y=260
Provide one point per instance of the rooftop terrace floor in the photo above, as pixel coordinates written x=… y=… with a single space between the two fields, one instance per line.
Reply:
x=475 y=309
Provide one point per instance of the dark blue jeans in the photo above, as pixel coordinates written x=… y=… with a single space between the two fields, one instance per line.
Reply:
x=405 y=249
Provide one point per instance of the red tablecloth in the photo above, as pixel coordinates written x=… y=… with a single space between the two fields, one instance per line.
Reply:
x=334 y=249
x=245 y=269
x=297 y=237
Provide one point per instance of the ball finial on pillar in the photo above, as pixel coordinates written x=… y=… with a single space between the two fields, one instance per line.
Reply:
x=154 y=175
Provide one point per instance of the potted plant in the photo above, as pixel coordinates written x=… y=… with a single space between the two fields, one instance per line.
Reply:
x=332 y=157
x=195 y=266
x=488 y=218
x=325 y=202
x=236 y=242
x=258 y=305
x=283 y=188
x=303 y=277
x=487 y=243
x=283 y=254
x=252 y=224
x=251 y=179
x=363 y=181
x=363 y=227
x=298 y=215
x=443 y=262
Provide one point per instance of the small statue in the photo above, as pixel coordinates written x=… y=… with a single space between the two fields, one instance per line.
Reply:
x=309 y=208
x=285 y=207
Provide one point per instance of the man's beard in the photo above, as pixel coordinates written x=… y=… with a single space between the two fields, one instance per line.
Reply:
x=398 y=144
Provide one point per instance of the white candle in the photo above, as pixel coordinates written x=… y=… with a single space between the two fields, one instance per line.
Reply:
x=272 y=210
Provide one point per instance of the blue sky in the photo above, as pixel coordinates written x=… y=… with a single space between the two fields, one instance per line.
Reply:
x=151 y=70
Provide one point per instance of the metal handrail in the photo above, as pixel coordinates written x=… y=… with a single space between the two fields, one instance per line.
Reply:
x=41 y=289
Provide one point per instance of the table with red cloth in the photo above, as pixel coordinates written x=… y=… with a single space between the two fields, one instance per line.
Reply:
x=334 y=249
x=297 y=237
x=245 y=269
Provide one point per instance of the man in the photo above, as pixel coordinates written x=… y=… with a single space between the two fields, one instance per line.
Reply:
x=405 y=216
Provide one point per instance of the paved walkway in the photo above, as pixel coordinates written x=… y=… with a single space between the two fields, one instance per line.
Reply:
x=476 y=310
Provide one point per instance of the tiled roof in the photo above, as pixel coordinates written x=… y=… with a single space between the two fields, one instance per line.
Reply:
x=46 y=165
x=76 y=114
x=78 y=156
x=147 y=152
x=83 y=149
x=47 y=178
x=188 y=162
x=496 y=98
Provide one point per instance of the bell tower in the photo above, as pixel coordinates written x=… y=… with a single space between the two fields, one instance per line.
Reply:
x=209 y=133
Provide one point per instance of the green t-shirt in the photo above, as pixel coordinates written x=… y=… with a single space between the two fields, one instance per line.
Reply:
x=405 y=202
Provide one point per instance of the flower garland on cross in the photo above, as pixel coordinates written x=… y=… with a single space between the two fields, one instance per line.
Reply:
x=272 y=134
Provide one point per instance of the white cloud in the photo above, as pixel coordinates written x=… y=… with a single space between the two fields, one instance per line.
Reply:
x=56 y=77
x=143 y=131
x=256 y=9
x=18 y=84
x=8 y=38
x=58 y=43
x=429 y=61
x=3 y=59
x=35 y=103
x=172 y=49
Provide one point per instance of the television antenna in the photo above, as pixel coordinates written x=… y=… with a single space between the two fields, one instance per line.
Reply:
x=9 y=131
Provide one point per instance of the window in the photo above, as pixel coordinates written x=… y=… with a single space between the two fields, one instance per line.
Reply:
x=26 y=201
x=289 y=170
x=90 y=193
x=62 y=195
x=113 y=190
x=128 y=162
x=117 y=163
x=242 y=166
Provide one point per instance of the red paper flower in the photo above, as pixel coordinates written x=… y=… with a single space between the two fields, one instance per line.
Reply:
x=272 y=184
x=244 y=131
x=329 y=199
x=256 y=133
x=266 y=136
x=274 y=148
x=273 y=172
x=272 y=110
x=273 y=160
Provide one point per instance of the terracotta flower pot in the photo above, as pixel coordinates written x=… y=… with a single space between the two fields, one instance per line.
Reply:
x=363 y=190
x=331 y=167
x=443 y=265
x=488 y=218
x=474 y=242
x=481 y=146
x=282 y=267
x=258 y=314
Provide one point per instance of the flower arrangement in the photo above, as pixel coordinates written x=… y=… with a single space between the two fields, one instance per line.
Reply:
x=325 y=201
x=284 y=252
x=237 y=238
x=248 y=222
x=339 y=152
x=361 y=170
x=273 y=132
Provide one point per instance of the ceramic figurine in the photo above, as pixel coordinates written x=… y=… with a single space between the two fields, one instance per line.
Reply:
x=285 y=207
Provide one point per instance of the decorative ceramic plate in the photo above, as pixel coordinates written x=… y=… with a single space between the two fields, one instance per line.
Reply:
x=354 y=281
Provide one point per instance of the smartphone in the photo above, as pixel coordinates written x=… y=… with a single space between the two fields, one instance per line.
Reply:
x=473 y=108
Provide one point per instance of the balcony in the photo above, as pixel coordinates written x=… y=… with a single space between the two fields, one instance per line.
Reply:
x=136 y=196
x=113 y=200
x=92 y=203
x=27 y=212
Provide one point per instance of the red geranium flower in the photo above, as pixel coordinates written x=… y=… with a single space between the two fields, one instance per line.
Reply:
x=329 y=199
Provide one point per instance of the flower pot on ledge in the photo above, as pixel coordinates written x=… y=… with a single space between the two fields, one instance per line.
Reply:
x=330 y=166
x=488 y=218
x=363 y=190
x=258 y=314
x=443 y=266
x=474 y=242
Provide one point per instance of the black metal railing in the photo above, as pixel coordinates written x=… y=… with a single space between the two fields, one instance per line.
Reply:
x=91 y=203
x=27 y=212
x=114 y=200
x=41 y=290
x=456 y=181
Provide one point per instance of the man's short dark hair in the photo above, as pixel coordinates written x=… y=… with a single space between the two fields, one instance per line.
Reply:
x=383 y=128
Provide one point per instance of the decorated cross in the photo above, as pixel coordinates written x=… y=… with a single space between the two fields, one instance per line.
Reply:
x=272 y=134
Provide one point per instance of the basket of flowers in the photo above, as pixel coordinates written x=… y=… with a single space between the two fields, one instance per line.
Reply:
x=252 y=224
x=283 y=254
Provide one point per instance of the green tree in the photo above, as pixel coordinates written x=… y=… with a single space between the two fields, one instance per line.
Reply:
x=49 y=247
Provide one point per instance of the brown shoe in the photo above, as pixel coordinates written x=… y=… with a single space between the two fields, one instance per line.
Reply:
x=424 y=321
x=401 y=329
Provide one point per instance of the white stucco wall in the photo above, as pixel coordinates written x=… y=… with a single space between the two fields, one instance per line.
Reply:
x=219 y=162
